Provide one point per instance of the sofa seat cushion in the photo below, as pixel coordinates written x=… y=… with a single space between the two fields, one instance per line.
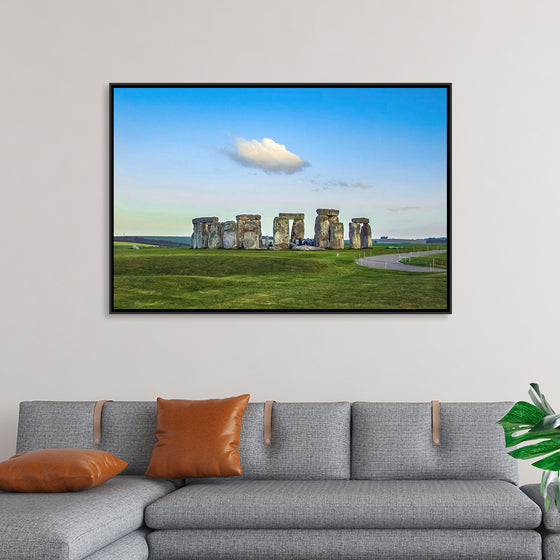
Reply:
x=345 y=504
x=346 y=544
x=73 y=525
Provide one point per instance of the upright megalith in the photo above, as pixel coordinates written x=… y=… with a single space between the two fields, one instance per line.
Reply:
x=336 y=239
x=215 y=233
x=201 y=233
x=281 y=232
x=360 y=233
x=281 y=229
x=229 y=235
x=324 y=221
x=249 y=231
x=354 y=235
x=298 y=230
x=365 y=236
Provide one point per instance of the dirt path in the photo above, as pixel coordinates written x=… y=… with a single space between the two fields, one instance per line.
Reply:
x=392 y=261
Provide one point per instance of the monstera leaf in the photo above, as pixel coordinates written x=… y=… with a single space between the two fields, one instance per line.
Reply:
x=534 y=431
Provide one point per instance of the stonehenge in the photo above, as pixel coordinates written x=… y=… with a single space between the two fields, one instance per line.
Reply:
x=215 y=232
x=229 y=235
x=249 y=231
x=359 y=233
x=336 y=238
x=281 y=229
x=245 y=232
x=201 y=226
x=210 y=233
x=329 y=232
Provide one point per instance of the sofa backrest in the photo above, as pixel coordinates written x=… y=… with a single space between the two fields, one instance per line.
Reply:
x=394 y=441
x=309 y=440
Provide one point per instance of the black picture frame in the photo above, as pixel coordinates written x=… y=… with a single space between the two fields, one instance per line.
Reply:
x=117 y=307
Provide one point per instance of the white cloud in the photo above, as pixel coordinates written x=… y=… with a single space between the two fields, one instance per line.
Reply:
x=402 y=208
x=267 y=155
x=339 y=183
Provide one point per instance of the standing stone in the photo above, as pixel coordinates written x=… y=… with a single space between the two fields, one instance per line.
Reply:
x=298 y=230
x=336 y=240
x=325 y=217
x=199 y=238
x=354 y=235
x=249 y=231
x=215 y=234
x=281 y=231
x=365 y=236
x=322 y=231
x=229 y=235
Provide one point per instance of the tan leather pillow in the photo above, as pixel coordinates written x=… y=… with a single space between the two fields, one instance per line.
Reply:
x=197 y=438
x=58 y=470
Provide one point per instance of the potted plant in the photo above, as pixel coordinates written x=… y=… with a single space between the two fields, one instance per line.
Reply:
x=533 y=430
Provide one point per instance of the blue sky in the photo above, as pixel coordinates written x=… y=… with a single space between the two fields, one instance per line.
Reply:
x=186 y=152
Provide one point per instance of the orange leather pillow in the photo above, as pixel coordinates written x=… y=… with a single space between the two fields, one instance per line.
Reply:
x=58 y=470
x=197 y=438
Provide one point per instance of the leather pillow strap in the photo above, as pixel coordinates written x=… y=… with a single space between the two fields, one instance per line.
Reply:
x=435 y=423
x=267 y=428
x=97 y=411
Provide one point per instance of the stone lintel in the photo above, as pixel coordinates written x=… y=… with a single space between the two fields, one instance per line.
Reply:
x=289 y=216
x=205 y=220
x=327 y=212
x=360 y=220
x=248 y=217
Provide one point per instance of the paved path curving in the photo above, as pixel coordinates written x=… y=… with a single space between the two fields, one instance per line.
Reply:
x=392 y=261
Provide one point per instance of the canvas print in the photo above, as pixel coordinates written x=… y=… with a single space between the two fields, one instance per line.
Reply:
x=285 y=197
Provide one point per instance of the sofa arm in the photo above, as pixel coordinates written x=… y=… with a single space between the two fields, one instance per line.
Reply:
x=551 y=523
x=551 y=518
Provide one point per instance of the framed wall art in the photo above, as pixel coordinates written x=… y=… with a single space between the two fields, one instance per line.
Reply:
x=280 y=198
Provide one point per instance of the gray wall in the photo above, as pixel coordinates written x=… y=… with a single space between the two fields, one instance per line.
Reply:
x=57 y=340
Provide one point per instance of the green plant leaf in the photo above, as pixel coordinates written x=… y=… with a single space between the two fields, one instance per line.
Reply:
x=549 y=422
x=555 y=493
x=547 y=478
x=526 y=422
x=550 y=463
x=535 y=450
x=522 y=414
x=539 y=399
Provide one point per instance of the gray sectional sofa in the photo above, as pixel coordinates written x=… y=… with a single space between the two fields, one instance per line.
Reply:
x=339 y=481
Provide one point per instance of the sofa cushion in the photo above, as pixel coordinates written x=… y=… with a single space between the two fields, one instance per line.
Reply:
x=130 y=547
x=345 y=504
x=349 y=544
x=309 y=440
x=551 y=518
x=70 y=526
x=394 y=441
x=551 y=546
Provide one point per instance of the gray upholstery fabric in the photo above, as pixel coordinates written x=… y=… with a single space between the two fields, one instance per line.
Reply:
x=128 y=431
x=53 y=424
x=71 y=525
x=551 y=546
x=394 y=441
x=131 y=547
x=551 y=518
x=344 y=545
x=345 y=504
x=310 y=441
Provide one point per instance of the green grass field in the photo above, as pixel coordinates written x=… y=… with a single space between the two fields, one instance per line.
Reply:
x=439 y=261
x=185 y=279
